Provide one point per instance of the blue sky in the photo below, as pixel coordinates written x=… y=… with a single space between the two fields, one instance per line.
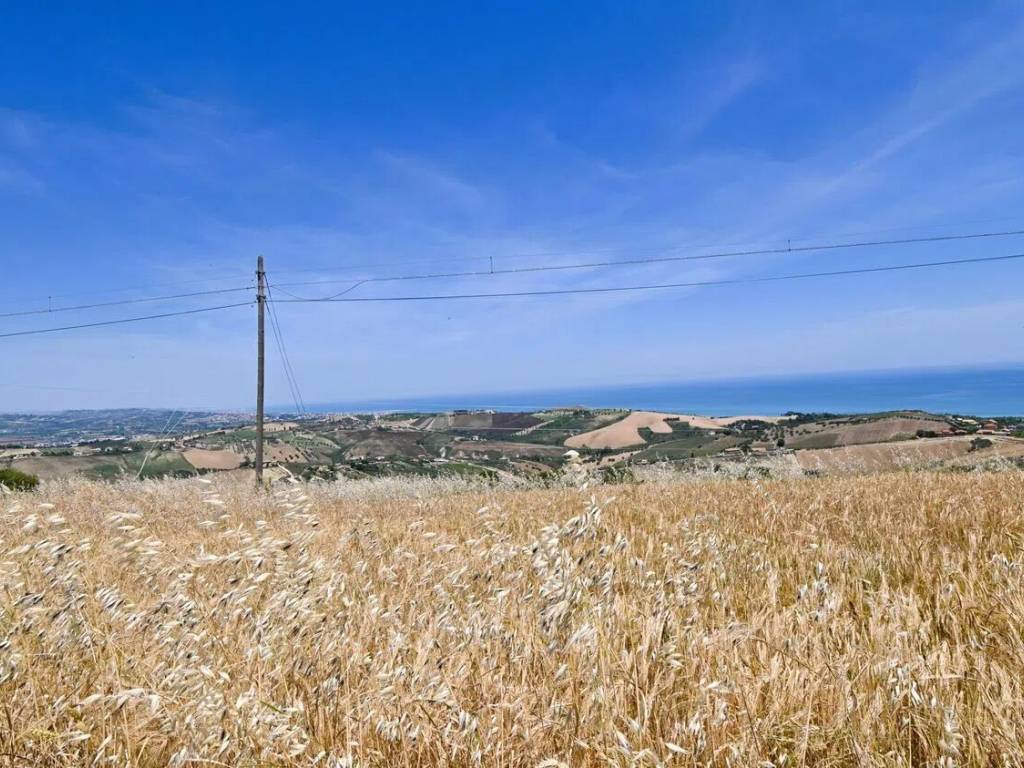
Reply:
x=151 y=152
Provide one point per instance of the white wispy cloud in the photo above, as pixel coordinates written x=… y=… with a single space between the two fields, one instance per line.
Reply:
x=185 y=188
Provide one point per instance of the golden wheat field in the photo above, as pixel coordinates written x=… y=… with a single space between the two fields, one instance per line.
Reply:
x=826 y=621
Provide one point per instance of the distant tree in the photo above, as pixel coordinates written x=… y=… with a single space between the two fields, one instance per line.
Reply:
x=780 y=443
x=16 y=480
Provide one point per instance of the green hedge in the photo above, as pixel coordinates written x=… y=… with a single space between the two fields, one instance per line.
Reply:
x=17 y=480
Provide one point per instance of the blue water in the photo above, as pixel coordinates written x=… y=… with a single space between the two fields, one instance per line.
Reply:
x=974 y=391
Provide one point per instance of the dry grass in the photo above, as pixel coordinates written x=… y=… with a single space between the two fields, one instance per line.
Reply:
x=844 y=621
x=202 y=458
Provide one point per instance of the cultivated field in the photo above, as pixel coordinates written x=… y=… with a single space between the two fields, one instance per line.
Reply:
x=847 y=431
x=833 y=621
x=626 y=432
x=622 y=433
x=201 y=458
x=874 y=457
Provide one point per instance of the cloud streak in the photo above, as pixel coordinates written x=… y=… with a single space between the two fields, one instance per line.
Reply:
x=175 y=187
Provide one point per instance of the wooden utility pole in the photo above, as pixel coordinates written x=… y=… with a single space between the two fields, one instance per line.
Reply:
x=261 y=302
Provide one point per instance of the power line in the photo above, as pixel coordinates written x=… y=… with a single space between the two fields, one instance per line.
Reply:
x=125 y=320
x=656 y=260
x=517 y=270
x=536 y=254
x=653 y=260
x=347 y=290
x=692 y=284
x=124 y=301
x=633 y=249
x=167 y=428
x=284 y=364
x=913 y=228
x=150 y=286
x=293 y=383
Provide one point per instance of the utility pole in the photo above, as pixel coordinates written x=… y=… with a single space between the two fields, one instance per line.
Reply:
x=261 y=302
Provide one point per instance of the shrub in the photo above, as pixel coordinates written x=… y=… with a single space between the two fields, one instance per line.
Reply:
x=16 y=480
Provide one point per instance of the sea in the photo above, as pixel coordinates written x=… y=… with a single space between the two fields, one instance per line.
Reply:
x=966 y=391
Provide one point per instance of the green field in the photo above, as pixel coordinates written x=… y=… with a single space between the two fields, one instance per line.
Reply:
x=107 y=466
x=687 y=447
x=559 y=428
